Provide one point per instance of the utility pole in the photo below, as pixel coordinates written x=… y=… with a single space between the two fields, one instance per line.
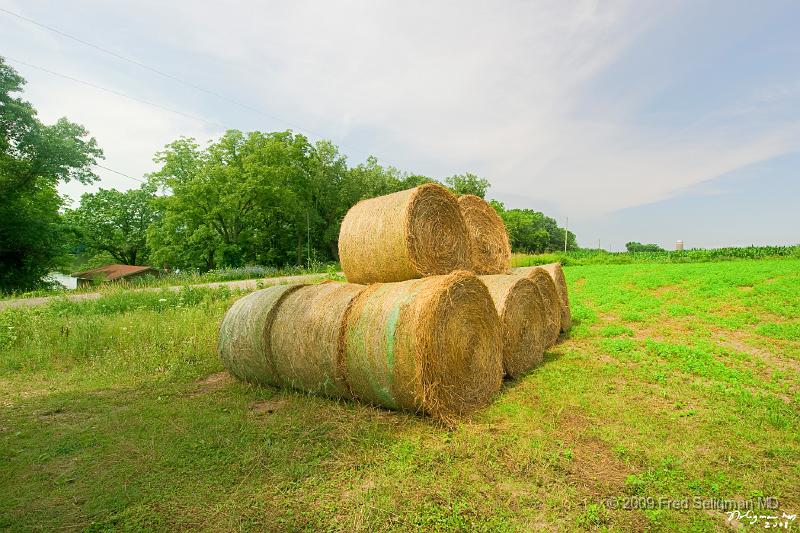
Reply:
x=566 y=233
x=598 y=244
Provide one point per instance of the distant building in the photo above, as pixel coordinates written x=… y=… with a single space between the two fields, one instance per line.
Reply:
x=112 y=273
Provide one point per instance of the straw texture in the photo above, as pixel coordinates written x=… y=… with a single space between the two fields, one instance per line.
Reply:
x=557 y=274
x=490 y=250
x=550 y=301
x=306 y=338
x=521 y=313
x=244 y=335
x=431 y=345
x=404 y=235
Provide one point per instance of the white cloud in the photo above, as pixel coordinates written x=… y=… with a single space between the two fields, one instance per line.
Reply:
x=433 y=87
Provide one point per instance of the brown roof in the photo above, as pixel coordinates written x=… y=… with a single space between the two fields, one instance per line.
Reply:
x=112 y=272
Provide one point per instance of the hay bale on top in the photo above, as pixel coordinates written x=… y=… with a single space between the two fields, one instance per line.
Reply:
x=430 y=345
x=490 y=250
x=405 y=235
x=307 y=338
x=557 y=274
x=551 y=303
x=522 y=317
x=244 y=344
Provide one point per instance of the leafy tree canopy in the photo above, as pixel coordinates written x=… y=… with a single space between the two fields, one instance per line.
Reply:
x=467 y=184
x=276 y=198
x=34 y=158
x=531 y=231
x=258 y=198
x=114 y=224
x=639 y=247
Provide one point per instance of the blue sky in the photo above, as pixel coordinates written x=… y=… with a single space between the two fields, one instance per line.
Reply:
x=648 y=121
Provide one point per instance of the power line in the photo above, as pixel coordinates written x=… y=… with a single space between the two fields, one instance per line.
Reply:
x=120 y=173
x=115 y=92
x=146 y=67
x=154 y=70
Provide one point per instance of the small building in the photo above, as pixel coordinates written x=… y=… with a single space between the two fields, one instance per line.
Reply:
x=113 y=273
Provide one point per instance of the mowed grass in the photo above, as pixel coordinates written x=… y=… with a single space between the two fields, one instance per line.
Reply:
x=677 y=381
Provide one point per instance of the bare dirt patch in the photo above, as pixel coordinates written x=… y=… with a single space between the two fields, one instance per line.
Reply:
x=212 y=383
x=594 y=468
x=61 y=416
x=667 y=290
x=267 y=407
x=737 y=341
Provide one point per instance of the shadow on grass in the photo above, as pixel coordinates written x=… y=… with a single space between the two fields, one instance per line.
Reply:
x=550 y=356
x=143 y=456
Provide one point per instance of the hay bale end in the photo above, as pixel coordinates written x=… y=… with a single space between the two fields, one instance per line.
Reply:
x=404 y=235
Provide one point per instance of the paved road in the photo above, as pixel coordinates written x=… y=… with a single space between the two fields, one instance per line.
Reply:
x=250 y=284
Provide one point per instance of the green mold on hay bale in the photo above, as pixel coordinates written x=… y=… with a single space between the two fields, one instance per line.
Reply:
x=307 y=338
x=244 y=345
x=521 y=313
x=404 y=235
x=430 y=345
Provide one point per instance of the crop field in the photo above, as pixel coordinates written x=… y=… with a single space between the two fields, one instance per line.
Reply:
x=678 y=381
x=699 y=255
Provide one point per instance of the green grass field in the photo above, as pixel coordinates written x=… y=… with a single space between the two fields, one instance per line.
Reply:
x=677 y=381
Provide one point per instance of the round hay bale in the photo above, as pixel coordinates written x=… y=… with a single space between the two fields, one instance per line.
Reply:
x=244 y=335
x=550 y=300
x=404 y=235
x=307 y=338
x=490 y=250
x=431 y=345
x=557 y=274
x=522 y=317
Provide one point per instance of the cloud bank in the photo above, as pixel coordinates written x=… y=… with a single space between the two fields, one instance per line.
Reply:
x=577 y=108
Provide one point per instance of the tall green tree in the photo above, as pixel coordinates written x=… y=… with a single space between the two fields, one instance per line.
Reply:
x=530 y=231
x=639 y=247
x=259 y=198
x=115 y=223
x=467 y=184
x=34 y=159
x=278 y=199
x=247 y=198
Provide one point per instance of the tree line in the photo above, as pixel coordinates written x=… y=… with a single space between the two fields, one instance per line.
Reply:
x=268 y=198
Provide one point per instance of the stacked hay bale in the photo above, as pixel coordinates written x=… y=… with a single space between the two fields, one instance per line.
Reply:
x=427 y=334
x=306 y=338
x=404 y=235
x=490 y=250
x=244 y=343
x=289 y=336
x=551 y=303
x=556 y=273
x=430 y=345
x=521 y=312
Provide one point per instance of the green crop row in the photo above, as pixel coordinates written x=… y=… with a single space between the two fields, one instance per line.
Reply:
x=696 y=255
